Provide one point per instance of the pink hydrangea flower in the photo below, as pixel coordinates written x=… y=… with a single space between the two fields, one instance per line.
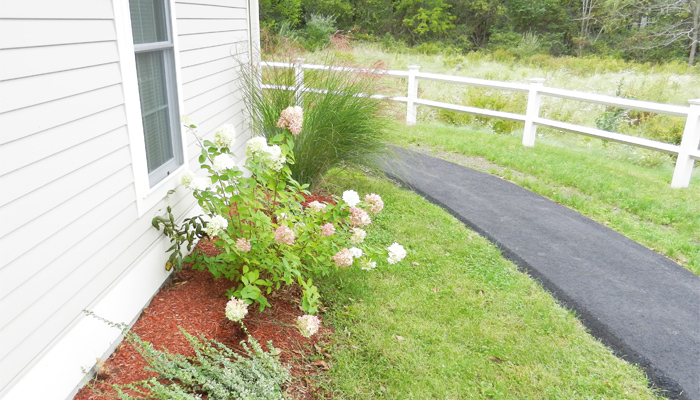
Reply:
x=328 y=229
x=243 y=244
x=375 y=203
x=284 y=234
x=308 y=325
x=292 y=118
x=343 y=258
x=359 y=217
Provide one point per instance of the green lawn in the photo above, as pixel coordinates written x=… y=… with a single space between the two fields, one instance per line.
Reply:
x=455 y=320
x=604 y=181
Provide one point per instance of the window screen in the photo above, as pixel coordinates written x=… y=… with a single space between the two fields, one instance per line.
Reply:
x=155 y=68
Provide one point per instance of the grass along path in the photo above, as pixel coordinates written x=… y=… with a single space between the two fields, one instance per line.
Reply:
x=455 y=320
x=598 y=182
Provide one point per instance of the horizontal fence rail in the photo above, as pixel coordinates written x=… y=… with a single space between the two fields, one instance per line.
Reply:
x=686 y=153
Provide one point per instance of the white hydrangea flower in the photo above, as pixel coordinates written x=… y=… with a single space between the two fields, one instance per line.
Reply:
x=256 y=146
x=274 y=158
x=223 y=162
x=351 y=198
x=199 y=183
x=225 y=136
x=277 y=163
x=356 y=253
x=274 y=151
x=358 y=235
x=187 y=179
x=316 y=206
x=216 y=225
x=236 y=309
x=396 y=253
x=308 y=325
x=192 y=182
x=368 y=265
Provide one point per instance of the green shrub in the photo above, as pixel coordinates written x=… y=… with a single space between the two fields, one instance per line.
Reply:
x=528 y=46
x=489 y=99
x=256 y=218
x=318 y=31
x=215 y=370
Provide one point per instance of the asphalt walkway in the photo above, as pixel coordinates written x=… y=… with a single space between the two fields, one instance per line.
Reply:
x=639 y=303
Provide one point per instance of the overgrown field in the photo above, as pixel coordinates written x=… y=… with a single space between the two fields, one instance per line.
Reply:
x=672 y=83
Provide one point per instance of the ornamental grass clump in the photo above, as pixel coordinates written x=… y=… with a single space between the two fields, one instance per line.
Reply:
x=267 y=236
x=341 y=127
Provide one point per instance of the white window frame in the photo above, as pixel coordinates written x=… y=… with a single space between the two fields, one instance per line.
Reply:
x=146 y=196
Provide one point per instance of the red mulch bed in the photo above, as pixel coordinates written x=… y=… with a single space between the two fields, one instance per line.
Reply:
x=195 y=301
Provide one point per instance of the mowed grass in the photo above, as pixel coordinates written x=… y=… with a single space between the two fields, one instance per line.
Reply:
x=599 y=180
x=455 y=320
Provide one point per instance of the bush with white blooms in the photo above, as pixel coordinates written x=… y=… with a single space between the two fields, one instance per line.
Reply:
x=268 y=234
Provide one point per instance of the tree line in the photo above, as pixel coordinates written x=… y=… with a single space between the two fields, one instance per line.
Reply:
x=643 y=30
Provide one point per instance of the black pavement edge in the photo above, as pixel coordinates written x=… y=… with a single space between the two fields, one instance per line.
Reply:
x=659 y=380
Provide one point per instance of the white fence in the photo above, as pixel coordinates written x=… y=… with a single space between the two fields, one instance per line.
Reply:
x=687 y=152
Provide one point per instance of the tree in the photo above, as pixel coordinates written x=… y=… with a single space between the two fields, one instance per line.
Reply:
x=661 y=23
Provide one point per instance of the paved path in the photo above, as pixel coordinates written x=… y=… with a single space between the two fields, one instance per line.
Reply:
x=641 y=304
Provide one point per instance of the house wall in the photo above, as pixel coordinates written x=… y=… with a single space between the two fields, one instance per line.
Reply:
x=75 y=226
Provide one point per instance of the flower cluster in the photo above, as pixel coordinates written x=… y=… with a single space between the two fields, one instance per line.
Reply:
x=223 y=162
x=292 y=118
x=243 y=245
x=343 y=258
x=351 y=198
x=316 y=206
x=236 y=309
x=375 y=203
x=225 y=136
x=283 y=234
x=192 y=182
x=358 y=235
x=271 y=155
x=359 y=217
x=308 y=325
x=216 y=225
x=368 y=265
x=396 y=253
x=328 y=229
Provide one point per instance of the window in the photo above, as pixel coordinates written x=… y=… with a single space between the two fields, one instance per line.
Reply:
x=155 y=69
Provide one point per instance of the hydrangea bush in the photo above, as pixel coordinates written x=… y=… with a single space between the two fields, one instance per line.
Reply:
x=258 y=217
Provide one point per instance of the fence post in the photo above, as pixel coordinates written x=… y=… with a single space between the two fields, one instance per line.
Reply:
x=411 y=107
x=534 y=100
x=690 y=142
x=299 y=81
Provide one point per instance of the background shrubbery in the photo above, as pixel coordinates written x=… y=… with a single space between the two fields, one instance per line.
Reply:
x=624 y=29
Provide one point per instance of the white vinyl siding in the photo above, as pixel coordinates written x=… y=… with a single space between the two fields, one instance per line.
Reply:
x=71 y=222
